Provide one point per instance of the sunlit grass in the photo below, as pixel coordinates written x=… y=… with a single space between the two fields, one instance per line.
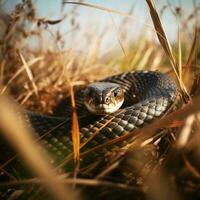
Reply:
x=40 y=78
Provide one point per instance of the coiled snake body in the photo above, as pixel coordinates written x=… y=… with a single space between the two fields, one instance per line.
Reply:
x=148 y=95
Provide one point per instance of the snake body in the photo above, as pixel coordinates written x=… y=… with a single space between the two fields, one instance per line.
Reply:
x=148 y=95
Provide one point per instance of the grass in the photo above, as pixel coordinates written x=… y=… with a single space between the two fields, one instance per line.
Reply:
x=147 y=168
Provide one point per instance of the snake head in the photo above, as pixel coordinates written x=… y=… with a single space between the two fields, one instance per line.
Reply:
x=103 y=97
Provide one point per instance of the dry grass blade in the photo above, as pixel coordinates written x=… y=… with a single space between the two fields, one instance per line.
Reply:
x=98 y=7
x=37 y=140
x=112 y=11
x=29 y=73
x=192 y=51
x=75 y=125
x=190 y=167
x=179 y=55
x=7 y=174
x=157 y=25
x=75 y=130
x=118 y=36
x=82 y=181
x=20 y=137
x=162 y=36
x=165 y=42
x=187 y=71
x=2 y=67
x=19 y=71
x=186 y=131
x=144 y=59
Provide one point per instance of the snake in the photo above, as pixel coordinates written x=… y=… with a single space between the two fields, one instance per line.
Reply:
x=107 y=109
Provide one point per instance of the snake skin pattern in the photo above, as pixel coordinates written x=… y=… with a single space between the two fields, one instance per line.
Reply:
x=152 y=92
x=148 y=95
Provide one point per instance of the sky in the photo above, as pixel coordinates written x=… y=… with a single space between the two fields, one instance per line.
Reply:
x=91 y=19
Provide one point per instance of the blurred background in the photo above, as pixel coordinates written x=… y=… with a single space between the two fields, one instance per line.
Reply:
x=47 y=46
x=60 y=41
x=98 y=23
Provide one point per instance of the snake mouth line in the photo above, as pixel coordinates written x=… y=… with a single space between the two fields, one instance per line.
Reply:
x=103 y=109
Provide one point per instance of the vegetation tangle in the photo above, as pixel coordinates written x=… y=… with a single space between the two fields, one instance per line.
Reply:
x=40 y=67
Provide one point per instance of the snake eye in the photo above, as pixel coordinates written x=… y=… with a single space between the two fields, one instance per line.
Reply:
x=107 y=100
x=117 y=92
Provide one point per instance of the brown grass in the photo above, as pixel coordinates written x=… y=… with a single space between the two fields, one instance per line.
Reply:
x=20 y=136
x=35 y=76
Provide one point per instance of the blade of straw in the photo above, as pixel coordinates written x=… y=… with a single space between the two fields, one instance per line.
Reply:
x=20 y=136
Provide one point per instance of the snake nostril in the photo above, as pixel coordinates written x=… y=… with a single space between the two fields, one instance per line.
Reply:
x=107 y=100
